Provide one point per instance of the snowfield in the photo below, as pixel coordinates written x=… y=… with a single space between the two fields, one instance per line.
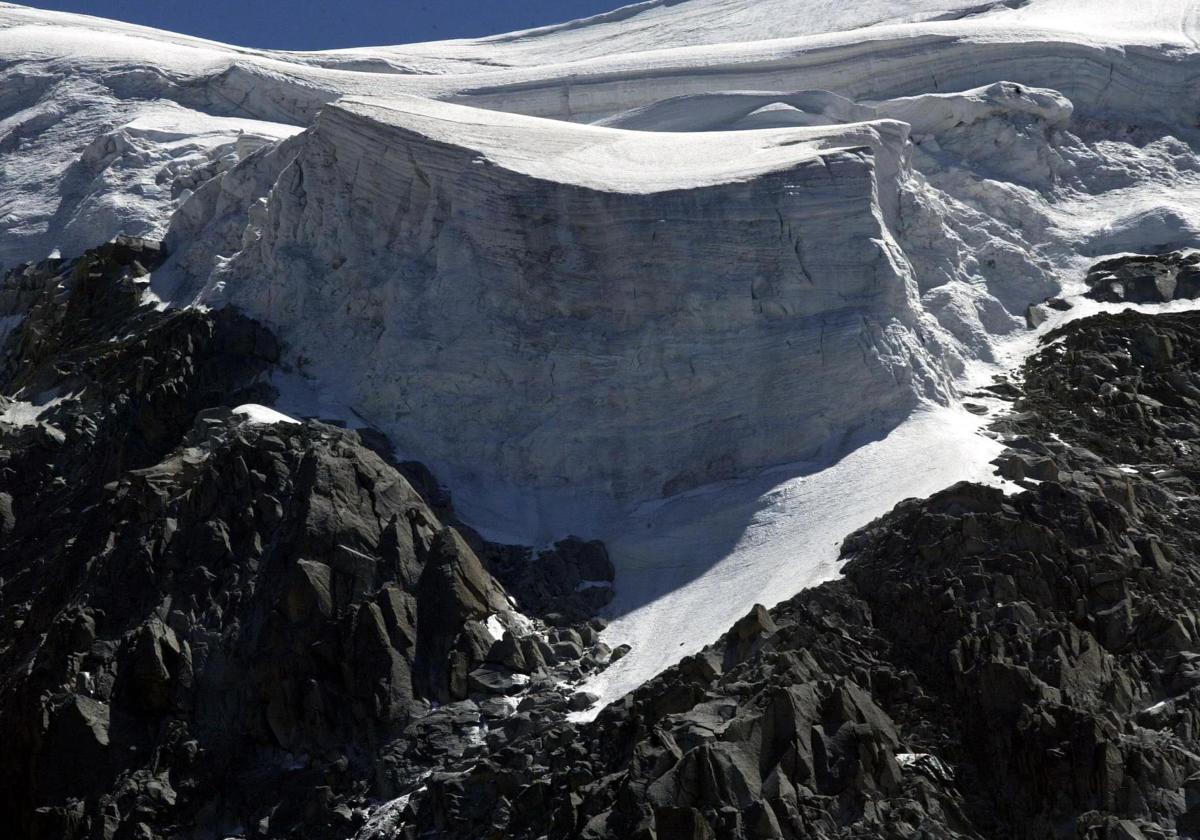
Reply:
x=701 y=278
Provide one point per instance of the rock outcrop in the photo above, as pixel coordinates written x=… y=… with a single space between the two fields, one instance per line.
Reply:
x=214 y=616
x=221 y=621
x=1146 y=279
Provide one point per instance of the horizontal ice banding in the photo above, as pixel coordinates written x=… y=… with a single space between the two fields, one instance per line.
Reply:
x=562 y=306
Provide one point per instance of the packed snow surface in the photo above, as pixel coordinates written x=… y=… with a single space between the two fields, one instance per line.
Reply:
x=606 y=277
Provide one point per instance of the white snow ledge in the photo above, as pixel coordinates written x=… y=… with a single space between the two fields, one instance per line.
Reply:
x=600 y=158
x=256 y=414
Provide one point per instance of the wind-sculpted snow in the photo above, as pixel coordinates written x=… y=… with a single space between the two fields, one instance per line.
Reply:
x=66 y=80
x=1121 y=56
x=742 y=110
x=587 y=265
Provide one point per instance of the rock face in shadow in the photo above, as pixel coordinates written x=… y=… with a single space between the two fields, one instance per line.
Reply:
x=212 y=625
x=991 y=665
x=1150 y=279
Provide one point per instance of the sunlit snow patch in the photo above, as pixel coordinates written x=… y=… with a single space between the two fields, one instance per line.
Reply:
x=260 y=414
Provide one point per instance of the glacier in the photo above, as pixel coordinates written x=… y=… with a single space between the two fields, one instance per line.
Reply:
x=608 y=316
x=705 y=279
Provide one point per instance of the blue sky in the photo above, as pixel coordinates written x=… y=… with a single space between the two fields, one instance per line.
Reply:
x=325 y=24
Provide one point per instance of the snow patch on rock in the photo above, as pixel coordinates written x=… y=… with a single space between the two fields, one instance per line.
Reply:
x=262 y=415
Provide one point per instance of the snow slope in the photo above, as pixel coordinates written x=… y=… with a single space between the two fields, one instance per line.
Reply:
x=652 y=253
x=694 y=564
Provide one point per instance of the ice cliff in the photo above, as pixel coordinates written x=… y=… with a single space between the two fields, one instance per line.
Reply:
x=567 y=307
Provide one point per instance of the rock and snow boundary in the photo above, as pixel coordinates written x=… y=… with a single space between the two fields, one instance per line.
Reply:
x=785 y=238
x=989 y=665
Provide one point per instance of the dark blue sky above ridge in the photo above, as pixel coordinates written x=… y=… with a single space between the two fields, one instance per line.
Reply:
x=330 y=24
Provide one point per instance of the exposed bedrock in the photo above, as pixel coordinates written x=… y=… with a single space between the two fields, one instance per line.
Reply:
x=1146 y=279
x=216 y=617
x=700 y=316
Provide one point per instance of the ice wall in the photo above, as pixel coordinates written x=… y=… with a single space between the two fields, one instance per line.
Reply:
x=574 y=308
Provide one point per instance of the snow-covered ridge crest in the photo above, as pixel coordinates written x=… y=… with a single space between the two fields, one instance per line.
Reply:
x=67 y=78
x=564 y=307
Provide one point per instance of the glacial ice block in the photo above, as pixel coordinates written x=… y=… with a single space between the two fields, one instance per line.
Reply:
x=558 y=306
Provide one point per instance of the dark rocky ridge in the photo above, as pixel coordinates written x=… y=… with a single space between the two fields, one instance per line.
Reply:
x=1146 y=279
x=214 y=627
x=1020 y=666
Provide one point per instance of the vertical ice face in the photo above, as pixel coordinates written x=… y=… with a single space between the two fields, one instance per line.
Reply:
x=571 y=307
